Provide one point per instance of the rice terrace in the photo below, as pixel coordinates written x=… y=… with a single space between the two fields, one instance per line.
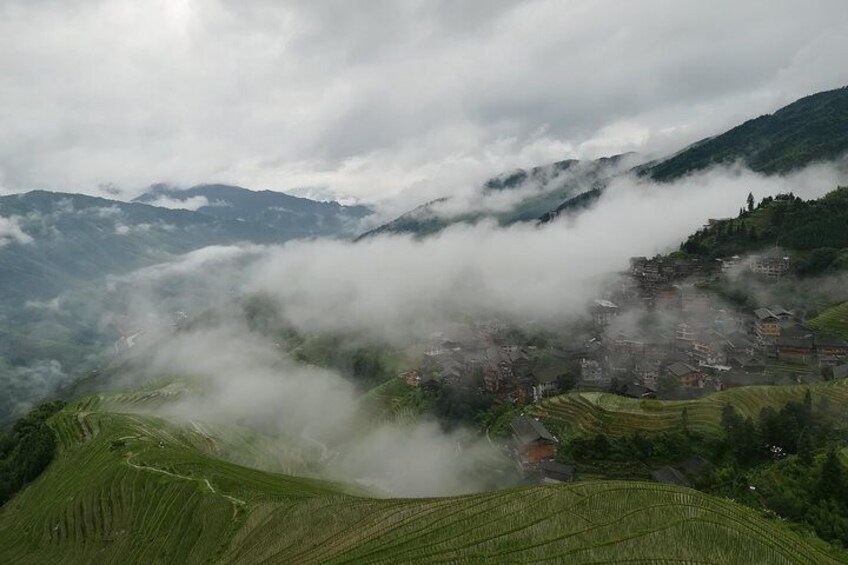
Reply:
x=128 y=488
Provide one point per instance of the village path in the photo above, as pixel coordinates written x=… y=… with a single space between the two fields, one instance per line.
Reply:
x=205 y=481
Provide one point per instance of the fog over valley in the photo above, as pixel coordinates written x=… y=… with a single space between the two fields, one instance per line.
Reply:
x=491 y=281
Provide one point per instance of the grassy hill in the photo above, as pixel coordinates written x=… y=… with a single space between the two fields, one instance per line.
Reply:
x=597 y=412
x=128 y=488
x=833 y=322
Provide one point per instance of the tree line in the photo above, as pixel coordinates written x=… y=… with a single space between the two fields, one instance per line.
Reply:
x=27 y=449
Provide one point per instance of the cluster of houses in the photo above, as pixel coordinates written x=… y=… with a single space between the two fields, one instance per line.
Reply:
x=656 y=277
x=699 y=345
x=770 y=265
x=487 y=361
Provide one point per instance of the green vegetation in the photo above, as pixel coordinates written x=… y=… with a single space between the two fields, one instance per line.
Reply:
x=811 y=492
x=549 y=185
x=395 y=401
x=814 y=128
x=833 y=322
x=790 y=452
x=368 y=366
x=813 y=231
x=612 y=415
x=128 y=488
x=27 y=450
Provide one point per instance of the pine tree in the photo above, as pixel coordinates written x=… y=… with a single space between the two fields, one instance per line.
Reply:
x=750 y=202
x=805 y=447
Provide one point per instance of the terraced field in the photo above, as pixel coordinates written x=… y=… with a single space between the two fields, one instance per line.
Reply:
x=832 y=322
x=613 y=415
x=127 y=488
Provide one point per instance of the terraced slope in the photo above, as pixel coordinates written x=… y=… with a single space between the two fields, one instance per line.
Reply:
x=127 y=488
x=832 y=322
x=597 y=412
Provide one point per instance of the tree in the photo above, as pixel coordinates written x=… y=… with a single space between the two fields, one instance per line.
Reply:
x=827 y=372
x=750 y=202
x=831 y=482
x=730 y=420
x=566 y=381
x=805 y=447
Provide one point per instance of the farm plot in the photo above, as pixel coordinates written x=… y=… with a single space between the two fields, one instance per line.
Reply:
x=130 y=488
x=594 y=412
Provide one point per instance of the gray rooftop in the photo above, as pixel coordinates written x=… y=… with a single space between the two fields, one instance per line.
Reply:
x=527 y=430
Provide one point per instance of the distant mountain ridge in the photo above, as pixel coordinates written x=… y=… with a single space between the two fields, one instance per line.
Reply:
x=57 y=244
x=61 y=238
x=543 y=187
x=293 y=216
x=811 y=129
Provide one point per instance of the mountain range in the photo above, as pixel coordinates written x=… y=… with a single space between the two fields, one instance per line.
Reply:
x=812 y=129
x=54 y=241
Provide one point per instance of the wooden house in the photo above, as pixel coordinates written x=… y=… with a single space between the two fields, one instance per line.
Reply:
x=533 y=442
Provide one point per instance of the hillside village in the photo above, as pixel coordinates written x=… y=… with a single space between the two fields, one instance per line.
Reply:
x=661 y=333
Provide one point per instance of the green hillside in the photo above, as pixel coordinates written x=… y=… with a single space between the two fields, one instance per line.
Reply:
x=811 y=232
x=814 y=128
x=613 y=415
x=541 y=188
x=833 y=322
x=128 y=488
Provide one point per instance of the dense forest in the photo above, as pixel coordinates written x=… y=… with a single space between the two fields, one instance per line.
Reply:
x=813 y=232
x=27 y=449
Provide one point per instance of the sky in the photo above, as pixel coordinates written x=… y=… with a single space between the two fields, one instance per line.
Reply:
x=386 y=100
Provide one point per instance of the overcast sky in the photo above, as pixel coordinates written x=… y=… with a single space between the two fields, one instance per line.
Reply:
x=380 y=100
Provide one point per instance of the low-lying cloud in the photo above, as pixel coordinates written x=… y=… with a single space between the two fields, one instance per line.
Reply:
x=10 y=231
x=396 y=290
x=191 y=203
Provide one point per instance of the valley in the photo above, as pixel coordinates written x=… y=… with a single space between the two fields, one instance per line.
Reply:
x=624 y=359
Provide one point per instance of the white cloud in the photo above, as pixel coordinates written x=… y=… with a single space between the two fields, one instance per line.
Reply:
x=407 y=100
x=396 y=290
x=143 y=227
x=11 y=232
x=192 y=203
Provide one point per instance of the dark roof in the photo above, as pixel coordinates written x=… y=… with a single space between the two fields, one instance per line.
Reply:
x=836 y=343
x=557 y=471
x=805 y=342
x=548 y=373
x=738 y=340
x=764 y=313
x=527 y=430
x=670 y=476
x=781 y=312
x=680 y=369
x=694 y=465
x=744 y=360
x=634 y=390
x=811 y=378
x=793 y=328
